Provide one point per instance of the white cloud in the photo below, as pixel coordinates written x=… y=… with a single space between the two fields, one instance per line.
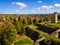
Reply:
x=57 y=5
x=21 y=5
x=17 y=11
x=33 y=11
x=47 y=7
x=40 y=1
x=38 y=8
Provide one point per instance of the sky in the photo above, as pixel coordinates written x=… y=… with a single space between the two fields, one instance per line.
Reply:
x=29 y=6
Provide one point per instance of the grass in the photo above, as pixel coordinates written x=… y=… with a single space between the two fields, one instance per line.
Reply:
x=25 y=41
x=55 y=24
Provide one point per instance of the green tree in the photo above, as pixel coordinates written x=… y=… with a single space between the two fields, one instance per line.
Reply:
x=25 y=21
x=23 y=32
x=40 y=21
x=17 y=25
x=35 y=21
x=29 y=21
x=20 y=20
x=9 y=34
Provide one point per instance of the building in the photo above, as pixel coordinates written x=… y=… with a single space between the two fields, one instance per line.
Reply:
x=54 y=17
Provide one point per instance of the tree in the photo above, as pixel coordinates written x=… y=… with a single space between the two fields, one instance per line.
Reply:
x=29 y=21
x=17 y=25
x=35 y=21
x=40 y=21
x=25 y=21
x=9 y=33
x=20 y=21
x=23 y=32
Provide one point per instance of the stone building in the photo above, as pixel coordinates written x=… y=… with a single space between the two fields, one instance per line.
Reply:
x=54 y=17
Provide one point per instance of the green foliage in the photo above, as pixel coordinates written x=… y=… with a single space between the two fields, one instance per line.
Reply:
x=29 y=21
x=17 y=25
x=25 y=41
x=20 y=21
x=9 y=33
x=40 y=21
x=47 y=36
x=23 y=32
x=35 y=21
x=20 y=28
x=5 y=41
x=24 y=22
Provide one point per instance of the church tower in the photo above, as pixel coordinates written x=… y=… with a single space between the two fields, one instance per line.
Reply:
x=54 y=17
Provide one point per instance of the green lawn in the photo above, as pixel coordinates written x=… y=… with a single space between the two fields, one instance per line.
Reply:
x=55 y=24
x=26 y=41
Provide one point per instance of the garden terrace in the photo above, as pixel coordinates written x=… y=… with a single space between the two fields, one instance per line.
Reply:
x=43 y=34
x=46 y=28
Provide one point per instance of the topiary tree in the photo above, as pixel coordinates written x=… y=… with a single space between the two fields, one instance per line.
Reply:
x=29 y=21
x=20 y=21
x=5 y=41
x=25 y=21
x=23 y=32
x=35 y=21
x=9 y=34
x=40 y=21
x=17 y=25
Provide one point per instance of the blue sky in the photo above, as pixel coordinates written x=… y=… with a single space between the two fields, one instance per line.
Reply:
x=29 y=6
